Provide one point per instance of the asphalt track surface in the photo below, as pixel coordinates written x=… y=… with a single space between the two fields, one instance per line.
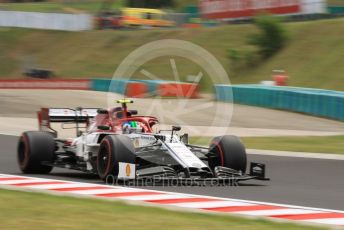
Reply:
x=296 y=181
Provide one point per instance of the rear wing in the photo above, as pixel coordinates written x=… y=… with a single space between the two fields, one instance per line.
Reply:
x=64 y=115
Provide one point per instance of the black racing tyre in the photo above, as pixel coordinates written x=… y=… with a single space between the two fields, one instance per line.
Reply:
x=35 y=147
x=112 y=150
x=227 y=151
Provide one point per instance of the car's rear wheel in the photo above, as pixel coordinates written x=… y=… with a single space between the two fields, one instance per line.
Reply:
x=227 y=151
x=34 y=149
x=112 y=150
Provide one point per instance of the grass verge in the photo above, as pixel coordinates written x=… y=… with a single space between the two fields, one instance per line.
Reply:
x=22 y=210
x=87 y=6
x=60 y=6
x=312 y=57
x=323 y=144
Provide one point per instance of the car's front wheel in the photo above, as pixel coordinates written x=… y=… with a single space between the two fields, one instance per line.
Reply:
x=112 y=150
x=227 y=151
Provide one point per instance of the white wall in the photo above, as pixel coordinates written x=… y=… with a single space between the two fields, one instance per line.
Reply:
x=313 y=6
x=51 y=21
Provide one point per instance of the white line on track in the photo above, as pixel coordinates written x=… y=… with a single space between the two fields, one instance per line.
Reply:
x=9 y=134
x=324 y=156
x=287 y=211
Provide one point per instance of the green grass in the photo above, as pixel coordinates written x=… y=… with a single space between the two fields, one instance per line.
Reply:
x=21 y=210
x=326 y=144
x=335 y=2
x=91 y=6
x=59 y=6
x=313 y=56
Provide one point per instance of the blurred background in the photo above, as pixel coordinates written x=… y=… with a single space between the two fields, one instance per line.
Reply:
x=89 y=38
x=267 y=47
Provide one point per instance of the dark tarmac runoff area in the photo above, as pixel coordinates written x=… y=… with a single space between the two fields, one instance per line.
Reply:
x=295 y=181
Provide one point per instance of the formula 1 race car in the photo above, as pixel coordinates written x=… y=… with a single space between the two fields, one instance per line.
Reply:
x=119 y=145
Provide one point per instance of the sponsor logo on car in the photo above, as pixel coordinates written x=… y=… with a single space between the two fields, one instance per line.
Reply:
x=128 y=170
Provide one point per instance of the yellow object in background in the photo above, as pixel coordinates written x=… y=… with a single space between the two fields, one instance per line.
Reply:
x=133 y=17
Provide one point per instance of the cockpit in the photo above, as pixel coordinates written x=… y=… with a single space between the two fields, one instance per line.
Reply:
x=129 y=127
x=123 y=121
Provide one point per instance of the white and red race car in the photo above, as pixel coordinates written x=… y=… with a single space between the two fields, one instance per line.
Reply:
x=119 y=145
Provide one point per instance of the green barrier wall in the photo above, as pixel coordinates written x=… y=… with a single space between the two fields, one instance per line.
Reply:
x=335 y=9
x=117 y=86
x=323 y=103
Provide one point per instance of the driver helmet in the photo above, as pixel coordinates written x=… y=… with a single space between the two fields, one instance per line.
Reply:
x=131 y=127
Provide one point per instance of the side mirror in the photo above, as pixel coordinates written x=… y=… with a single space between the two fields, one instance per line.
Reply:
x=102 y=111
x=133 y=112
x=185 y=138
x=176 y=128
x=103 y=127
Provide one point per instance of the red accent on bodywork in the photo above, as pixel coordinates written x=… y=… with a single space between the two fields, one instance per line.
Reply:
x=146 y=121
x=26 y=152
x=43 y=119
x=68 y=142
x=221 y=153
x=109 y=155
